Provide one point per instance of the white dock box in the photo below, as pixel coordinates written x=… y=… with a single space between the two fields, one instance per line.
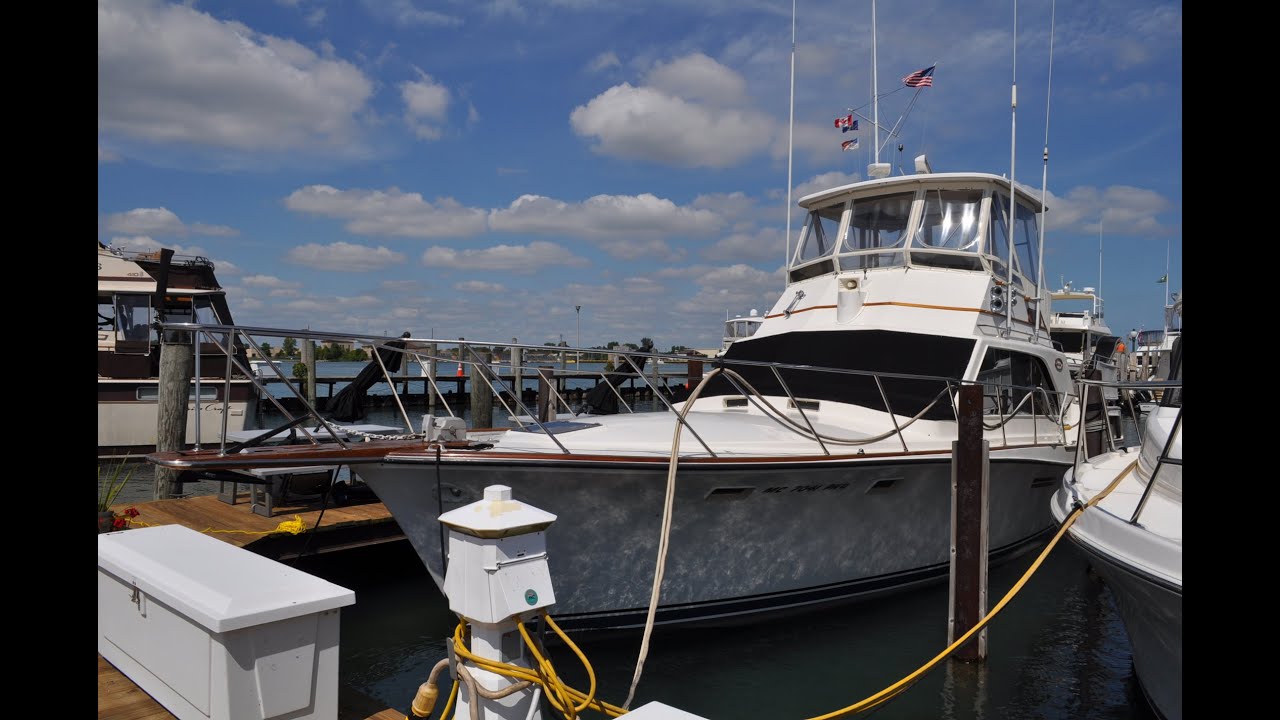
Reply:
x=214 y=631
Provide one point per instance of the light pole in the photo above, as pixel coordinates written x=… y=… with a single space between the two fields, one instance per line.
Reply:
x=577 y=309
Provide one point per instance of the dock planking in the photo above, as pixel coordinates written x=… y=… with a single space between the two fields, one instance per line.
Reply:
x=340 y=528
x=120 y=699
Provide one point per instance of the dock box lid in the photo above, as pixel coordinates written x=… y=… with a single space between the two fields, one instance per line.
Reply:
x=217 y=585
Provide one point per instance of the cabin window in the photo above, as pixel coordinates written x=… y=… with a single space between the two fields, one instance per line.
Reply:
x=998 y=237
x=1009 y=377
x=876 y=225
x=1069 y=341
x=948 y=230
x=818 y=238
x=106 y=313
x=133 y=317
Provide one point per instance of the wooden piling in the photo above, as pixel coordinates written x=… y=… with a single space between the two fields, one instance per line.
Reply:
x=309 y=362
x=431 y=373
x=546 y=403
x=176 y=360
x=694 y=374
x=517 y=374
x=970 y=469
x=481 y=396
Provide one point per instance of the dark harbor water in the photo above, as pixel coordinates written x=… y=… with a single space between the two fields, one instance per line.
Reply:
x=1058 y=651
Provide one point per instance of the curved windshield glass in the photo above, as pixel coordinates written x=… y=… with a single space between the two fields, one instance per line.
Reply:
x=876 y=225
x=948 y=227
x=818 y=238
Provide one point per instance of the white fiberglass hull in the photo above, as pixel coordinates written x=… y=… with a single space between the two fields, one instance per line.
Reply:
x=749 y=534
x=1141 y=563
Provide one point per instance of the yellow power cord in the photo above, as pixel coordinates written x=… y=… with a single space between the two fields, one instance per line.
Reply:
x=564 y=698
x=897 y=688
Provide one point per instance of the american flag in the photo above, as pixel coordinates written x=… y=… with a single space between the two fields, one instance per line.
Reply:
x=920 y=78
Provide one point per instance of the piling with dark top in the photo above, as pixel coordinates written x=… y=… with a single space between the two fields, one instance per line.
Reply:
x=694 y=370
x=970 y=469
x=309 y=362
x=517 y=374
x=431 y=373
x=546 y=403
x=481 y=396
x=176 y=360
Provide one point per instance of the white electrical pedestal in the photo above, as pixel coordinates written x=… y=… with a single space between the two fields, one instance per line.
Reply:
x=212 y=631
x=497 y=576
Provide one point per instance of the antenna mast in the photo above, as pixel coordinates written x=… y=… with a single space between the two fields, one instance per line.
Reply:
x=790 y=130
x=1044 y=178
x=1013 y=192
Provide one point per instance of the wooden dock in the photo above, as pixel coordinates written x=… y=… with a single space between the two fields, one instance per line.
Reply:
x=120 y=699
x=340 y=528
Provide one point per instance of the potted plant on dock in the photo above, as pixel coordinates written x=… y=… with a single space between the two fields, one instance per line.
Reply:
x=110 y=482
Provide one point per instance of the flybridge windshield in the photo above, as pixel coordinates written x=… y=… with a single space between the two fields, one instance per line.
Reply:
x=943 y=225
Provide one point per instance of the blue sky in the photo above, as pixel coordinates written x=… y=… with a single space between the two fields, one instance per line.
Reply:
x=479 y=167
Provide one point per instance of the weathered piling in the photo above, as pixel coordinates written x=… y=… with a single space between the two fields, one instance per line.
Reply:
x=309 y=362
x=176 y=360
x=969 y=482
x=546 y=403
x=481 y=396
x=431 y=374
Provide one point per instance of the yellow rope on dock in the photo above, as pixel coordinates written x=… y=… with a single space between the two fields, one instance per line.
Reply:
x=296 y=526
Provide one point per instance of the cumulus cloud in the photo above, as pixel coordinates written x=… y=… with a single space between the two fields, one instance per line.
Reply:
x=267 y=281
x=645 y=123
x=604 y=61
x=758 y=246
x=426 y=104
x=604 y=216
x=479 y=286
x=1122 y=210
x=390 y=212
x=522 y=260
x=169 y=73
x=825 y=181
x=698 y=78
x=343 y=256
x=406 y=13
x=161 y=221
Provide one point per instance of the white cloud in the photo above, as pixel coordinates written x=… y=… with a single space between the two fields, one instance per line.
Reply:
x=267 y=281
x=644 y=123
x=1122 y=210
x=390 y=212
x=168 y=73
x=604 y=216
x=426 y=104
x=825 y=181
x=400 y=286
x=161 y=221
x=479 y=286
x=343 y=256
x=603 y=61
x=698 y=78
x=406 y=13
x=522 y=260
x=736 y=289
x=761 y=245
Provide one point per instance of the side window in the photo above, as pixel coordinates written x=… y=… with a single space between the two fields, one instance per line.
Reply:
x=819 y=238
x=133 y=316
x=1014 y=381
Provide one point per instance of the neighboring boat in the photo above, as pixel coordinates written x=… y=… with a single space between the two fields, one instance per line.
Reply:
x=1152 y=348
x=742 y=326
x=1133 y=535
x=1076 y=325
x=1078 y=329
x=814 y=462
x=130 y=289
